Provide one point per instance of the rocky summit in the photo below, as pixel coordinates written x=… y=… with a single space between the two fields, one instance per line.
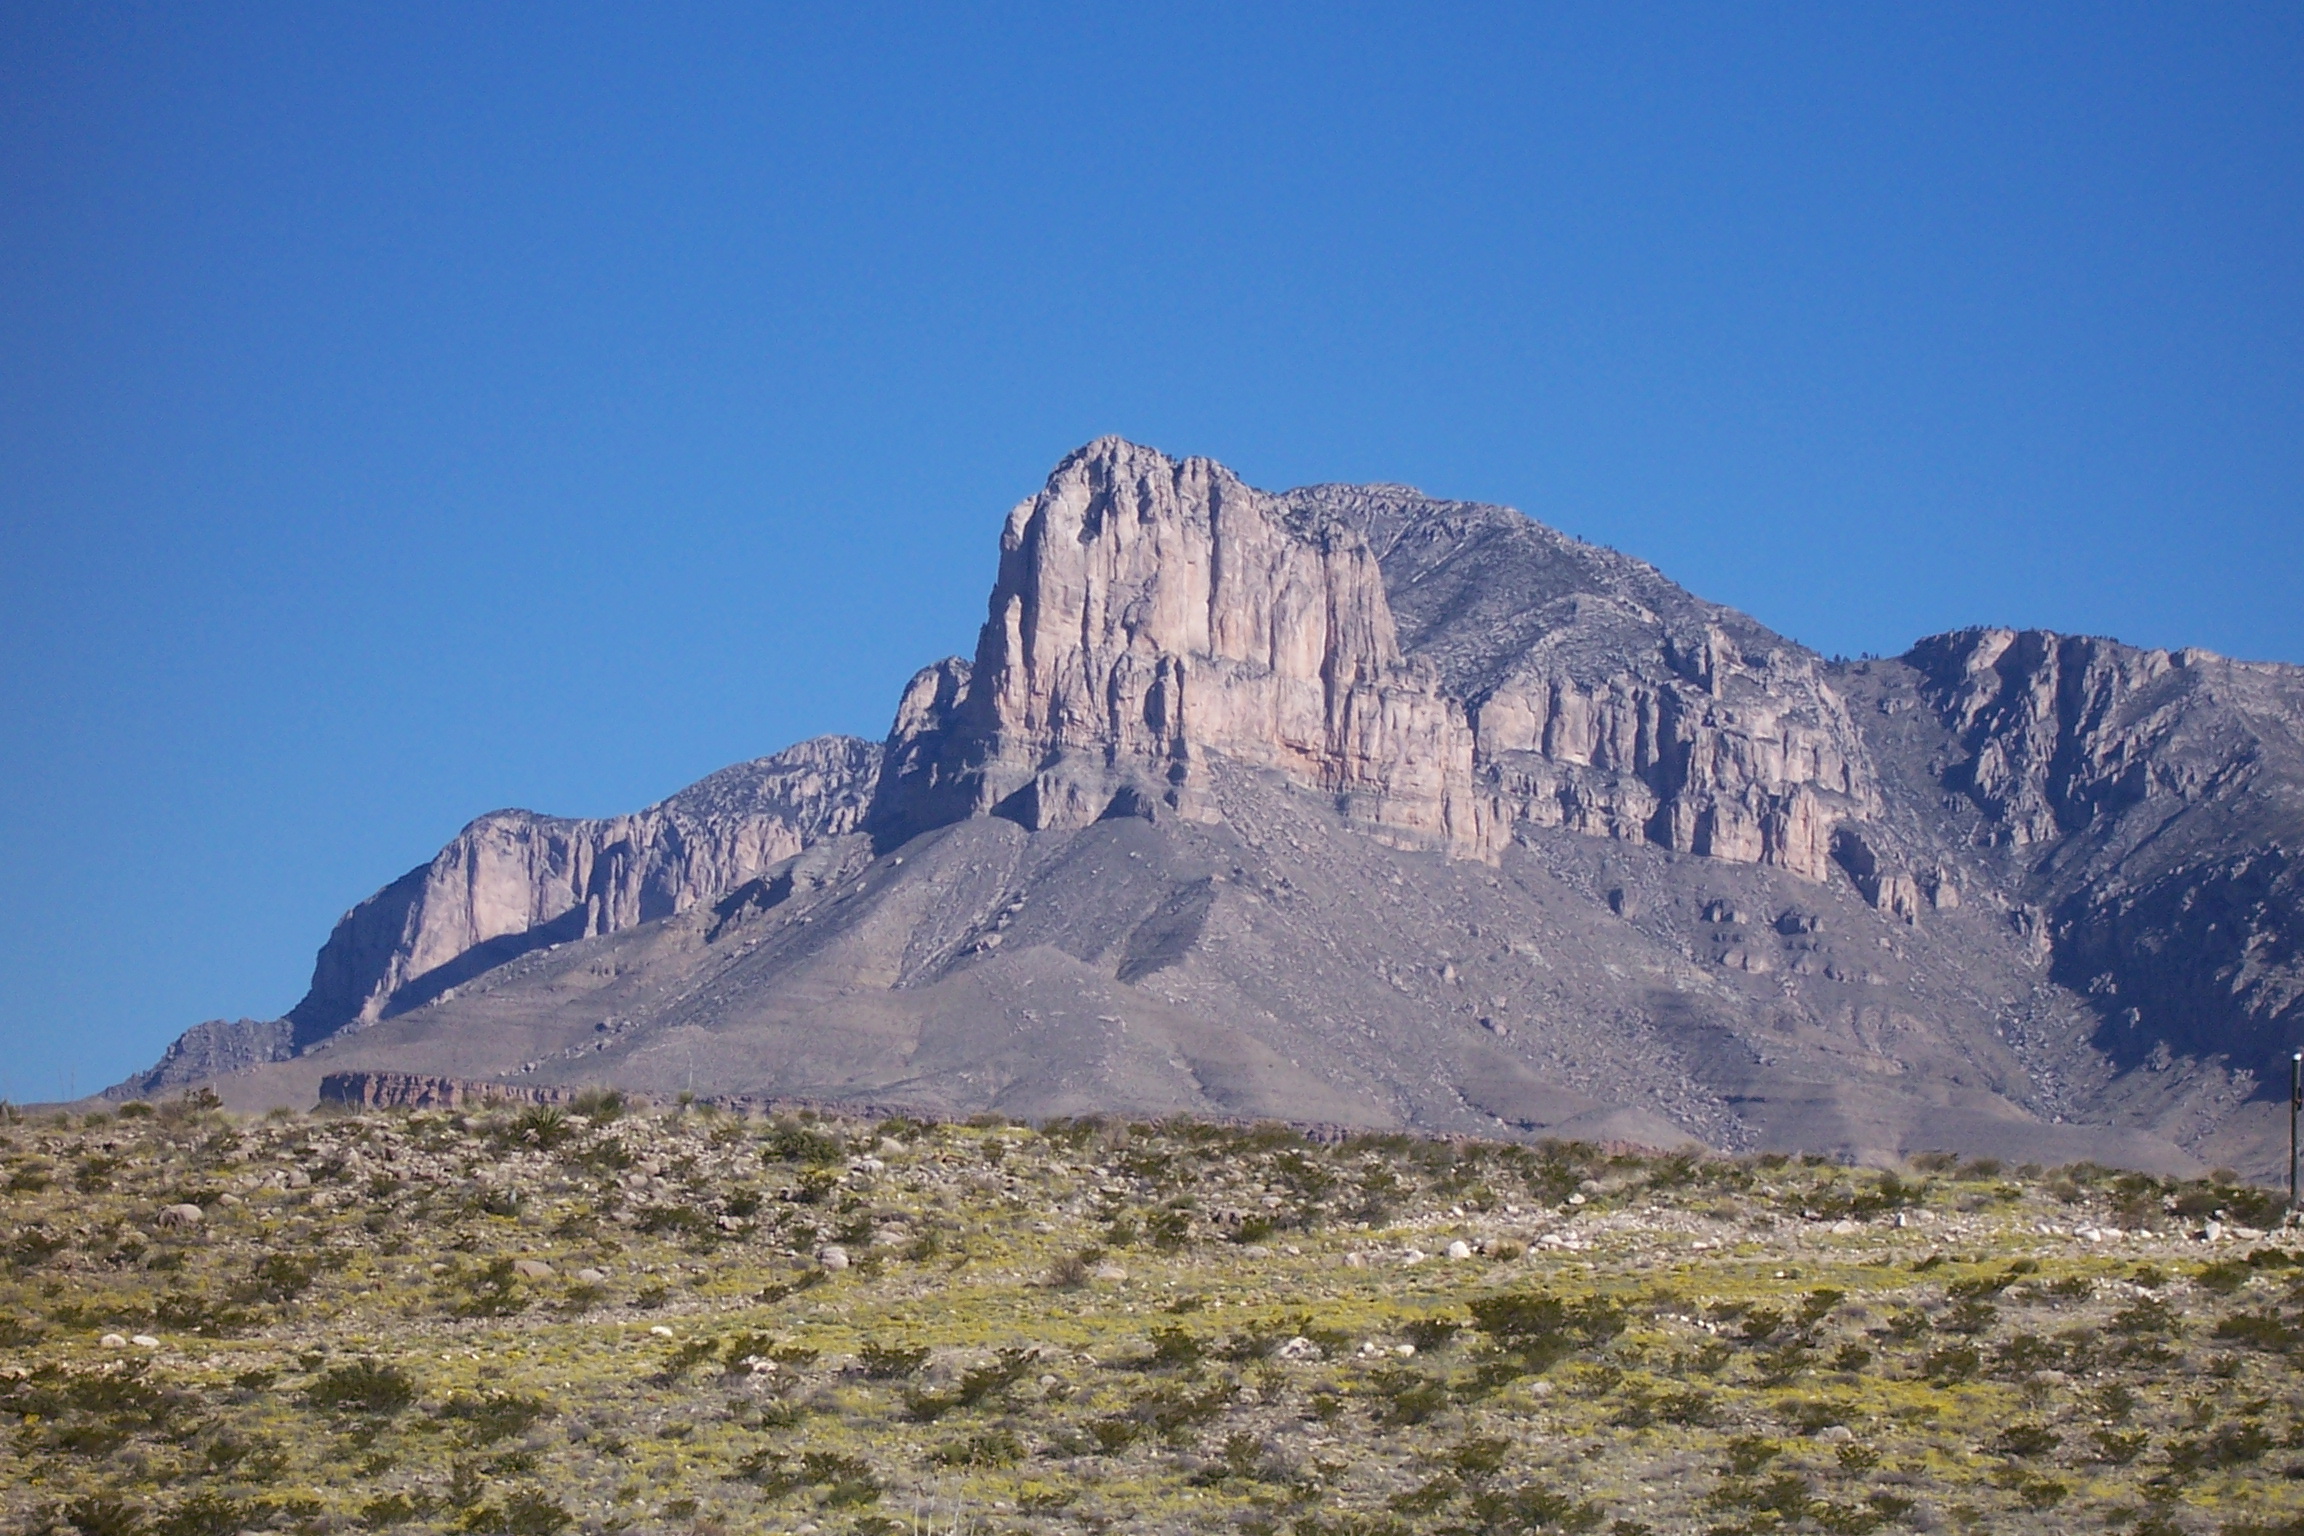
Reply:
x=1352 y=806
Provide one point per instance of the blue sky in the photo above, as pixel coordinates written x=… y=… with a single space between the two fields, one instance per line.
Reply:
x=407 y=411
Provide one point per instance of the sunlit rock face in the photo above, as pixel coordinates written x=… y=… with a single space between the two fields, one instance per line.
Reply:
x=1606 y=699
x=1150 y=613
x=512 y=880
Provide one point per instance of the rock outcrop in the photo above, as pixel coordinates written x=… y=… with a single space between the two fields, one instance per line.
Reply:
x=1607 y=700
x=1150 y=614
x=216 y=1048
x=2154 y=801
x=416 y=1090
x=514 y=881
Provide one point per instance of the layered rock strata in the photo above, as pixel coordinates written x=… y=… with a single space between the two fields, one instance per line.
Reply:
x=1150 y=613
x=418 y=1090
x=513 y=880
x=1605 y=699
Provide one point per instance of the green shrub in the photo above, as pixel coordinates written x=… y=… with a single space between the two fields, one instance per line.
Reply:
x=1424 y=1500
x=2025 y=1440
x=102 y=1515
x=363 y=1387
x=1432 y=1333
x=1173 y=1347
x=1171 y=1230
x=208 y=1513
x=525 y=1513
x=1007 y=1368
x=2231 y=1446
x=1538 y=1331
x=885 y=1362
x=541 y=1126
x=2149 y=1316
x=608 y=1154
x=392 y=1509
x=190 y=1312
x=1111 y=1436
x=1535 y=1506
x=1953 y=1363
x=789 y=1142
x=2266 y=1330
x=279 y=1277
x=685 y=1220
x=491 y=1416
x=1409 y=1397
x=992 y=1448
x=841 y=1480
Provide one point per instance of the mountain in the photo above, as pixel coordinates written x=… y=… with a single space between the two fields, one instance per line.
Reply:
x=1349 y=804
x=513 y=881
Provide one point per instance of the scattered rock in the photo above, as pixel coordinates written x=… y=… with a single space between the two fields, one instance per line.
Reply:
x=114 y=1341
x=832 y=1256
x=532 y=1269
x=144 y=1341
x=182 y=1216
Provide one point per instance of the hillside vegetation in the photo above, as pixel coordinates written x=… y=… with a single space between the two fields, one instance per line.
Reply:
x=623 y=1318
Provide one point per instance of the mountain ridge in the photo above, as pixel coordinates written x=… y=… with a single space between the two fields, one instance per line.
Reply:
x=2044 y=877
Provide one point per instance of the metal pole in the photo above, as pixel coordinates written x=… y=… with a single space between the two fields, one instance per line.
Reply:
x=2295 y=1105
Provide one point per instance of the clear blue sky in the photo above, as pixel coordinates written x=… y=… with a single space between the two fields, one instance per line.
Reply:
x=407 y=411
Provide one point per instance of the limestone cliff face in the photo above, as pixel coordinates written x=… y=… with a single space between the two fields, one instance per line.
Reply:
x=513 y=881
x=1606 y=699
x=1756 y=765
x=1150 y=613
